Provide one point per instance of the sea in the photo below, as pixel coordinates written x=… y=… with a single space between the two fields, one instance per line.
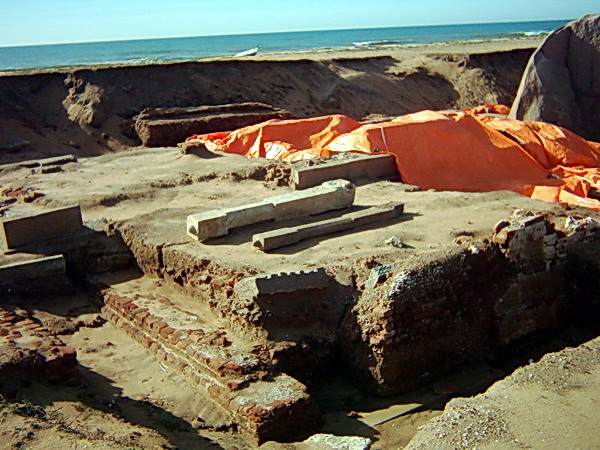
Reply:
x=148 y=51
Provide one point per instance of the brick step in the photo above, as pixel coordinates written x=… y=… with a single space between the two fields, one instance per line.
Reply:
x=207 y=350
x=29 y=346
x=265 y=404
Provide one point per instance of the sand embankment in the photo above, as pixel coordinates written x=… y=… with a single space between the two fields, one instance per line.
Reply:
x=88 y=111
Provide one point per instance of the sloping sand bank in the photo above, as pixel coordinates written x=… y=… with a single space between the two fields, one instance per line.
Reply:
x=88 y=111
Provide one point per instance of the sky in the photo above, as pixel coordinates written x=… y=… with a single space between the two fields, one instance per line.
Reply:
x=28 y=22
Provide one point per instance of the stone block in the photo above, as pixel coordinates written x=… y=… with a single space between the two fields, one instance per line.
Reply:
x=169 y=126
x=20 y=272
x=370 y=167
x=46 y=162
x=332 y=195
x=209 y=224
x=289 y=236
x=39 y=227
x=249 y=214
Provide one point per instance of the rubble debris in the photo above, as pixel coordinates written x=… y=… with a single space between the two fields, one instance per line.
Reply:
x=334 y=442
x=25 y=195
x=27 y=346
x=395 y=241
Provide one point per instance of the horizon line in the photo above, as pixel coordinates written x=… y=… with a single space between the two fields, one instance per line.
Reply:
x=277 y=32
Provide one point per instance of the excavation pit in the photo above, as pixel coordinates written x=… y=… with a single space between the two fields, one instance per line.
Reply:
x=253 y=332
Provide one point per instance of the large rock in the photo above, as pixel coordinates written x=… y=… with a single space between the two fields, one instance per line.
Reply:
x=160 y=127
x=561 y=84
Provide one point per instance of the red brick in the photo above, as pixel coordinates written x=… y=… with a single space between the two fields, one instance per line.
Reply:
x=183 y=344
x=157 y=326
x=128 y=306
x=181 y=366
x=178 y=334
x=155 y=346
x=68 y=352
x=133 y=312
x=146 y=341
x=257 y=414
x=214 y=390
x=262 y=375
x=141 y=315
x=234 y=368
x=166 y=331
x=216 y=363
x=148 y=320
x=242 y=409
x=116 y=300
x=236 y=385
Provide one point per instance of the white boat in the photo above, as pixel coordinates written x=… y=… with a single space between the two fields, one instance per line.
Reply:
x=375 y=43
x=250 y=52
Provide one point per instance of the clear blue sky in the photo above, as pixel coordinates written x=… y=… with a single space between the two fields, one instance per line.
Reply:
x=24 y=22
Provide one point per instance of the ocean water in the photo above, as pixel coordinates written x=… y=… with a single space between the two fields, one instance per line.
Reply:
x=181 y=49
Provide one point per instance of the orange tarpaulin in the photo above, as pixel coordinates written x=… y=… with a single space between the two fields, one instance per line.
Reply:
x=444 y=151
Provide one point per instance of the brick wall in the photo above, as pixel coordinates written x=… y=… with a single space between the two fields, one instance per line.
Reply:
x=421 y=319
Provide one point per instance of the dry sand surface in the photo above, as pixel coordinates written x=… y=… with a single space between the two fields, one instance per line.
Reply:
x=126 y=398
x=552 y=403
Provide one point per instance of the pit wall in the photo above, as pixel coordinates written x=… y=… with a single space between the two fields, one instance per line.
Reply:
x=415 y=321
x=96 y=106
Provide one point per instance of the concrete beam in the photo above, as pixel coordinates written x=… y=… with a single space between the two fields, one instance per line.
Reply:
x=39 y=227
x=289 y=236
x=332 y=195
x=252 y=287
x=26 y=270
x=371 y=167
x=35 y=277
x=47 y=162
